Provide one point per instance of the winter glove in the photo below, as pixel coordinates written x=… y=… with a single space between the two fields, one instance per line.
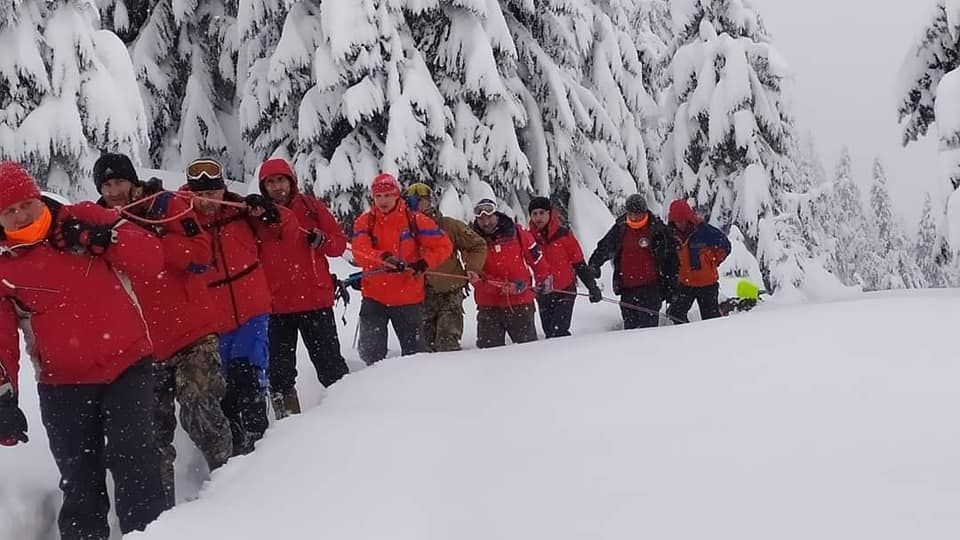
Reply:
x=419 y=267
x=315 y=238
x=262 y=207
x=76 y=235
x=152 y=186
x=13 y=423
x=595 y=271
x=513 y=287
x=595 y=295
x=546 y=286
x=392 y=263
x=353 y=281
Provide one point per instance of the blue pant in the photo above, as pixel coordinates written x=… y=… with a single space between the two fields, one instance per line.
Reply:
x=246 y=359
x=250 y=344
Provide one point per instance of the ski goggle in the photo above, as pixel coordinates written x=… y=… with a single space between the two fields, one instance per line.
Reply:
x=485 y=208
x=204 y=168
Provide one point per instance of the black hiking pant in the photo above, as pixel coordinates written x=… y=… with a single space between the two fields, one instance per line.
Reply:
x=374 y=317
x=95 y=427
x=706 y=298
x=647 y=297
x=319 y=331
x=556 y=311
x=245 y=405
x=495 y=323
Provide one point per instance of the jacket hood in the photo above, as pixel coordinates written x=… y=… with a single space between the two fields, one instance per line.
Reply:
x=553 y=226
x=681 y=213
x=278 y=166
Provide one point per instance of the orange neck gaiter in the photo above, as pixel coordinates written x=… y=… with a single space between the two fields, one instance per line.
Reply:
x=34 y=232
x=638 y=223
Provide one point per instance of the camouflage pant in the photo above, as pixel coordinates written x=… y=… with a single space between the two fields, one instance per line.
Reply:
x=193 y=377
x=443 y=320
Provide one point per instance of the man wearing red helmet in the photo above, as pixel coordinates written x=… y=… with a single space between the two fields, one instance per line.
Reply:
x=395 y=246
x=59 y=277
x=301 y=287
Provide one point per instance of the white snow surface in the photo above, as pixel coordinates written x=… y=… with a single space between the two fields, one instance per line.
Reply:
x=813 y=421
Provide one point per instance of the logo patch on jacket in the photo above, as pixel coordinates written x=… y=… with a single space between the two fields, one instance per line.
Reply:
x=644 y=242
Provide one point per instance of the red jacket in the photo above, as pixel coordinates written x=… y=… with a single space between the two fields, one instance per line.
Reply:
x=299 y=275
x=561 y=249
x=376 y=233
x=176 y=303
x=511 y=253
x=86 y=326
x=237 y=280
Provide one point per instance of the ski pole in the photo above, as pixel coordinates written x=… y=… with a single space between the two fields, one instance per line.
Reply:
x=627 y=305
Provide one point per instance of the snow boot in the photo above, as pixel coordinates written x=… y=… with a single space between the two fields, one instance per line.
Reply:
x=285 y=403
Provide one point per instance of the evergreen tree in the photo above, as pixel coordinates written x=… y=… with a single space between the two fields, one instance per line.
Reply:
x=928 y=246
x=67 y=92
x=185 y=58
x=857 y=262
x=900 y=269
x=930 y=93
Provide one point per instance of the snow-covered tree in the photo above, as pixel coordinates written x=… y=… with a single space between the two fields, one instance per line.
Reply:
x=930 y=247
x=900 y=269
x=67 y=92
x=857 y=262
x=729 y=128
x=185 y=59
x=930 y=93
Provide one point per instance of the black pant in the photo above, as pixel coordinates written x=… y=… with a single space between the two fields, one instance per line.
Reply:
x=648 y=297
x=319 y=331
x=556 y=311
x=245 y=406
x=374 y=317
x=706 y=298
x=78 y=418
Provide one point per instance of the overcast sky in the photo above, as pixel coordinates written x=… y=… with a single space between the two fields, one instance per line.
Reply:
x=846 y=55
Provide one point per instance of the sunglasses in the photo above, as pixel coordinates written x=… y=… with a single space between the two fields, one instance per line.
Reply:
x=204 y=168
x=485 y=209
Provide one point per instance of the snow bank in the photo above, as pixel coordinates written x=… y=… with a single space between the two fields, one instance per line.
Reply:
x=790 y=424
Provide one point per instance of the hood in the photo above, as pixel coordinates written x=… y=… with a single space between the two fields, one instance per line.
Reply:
x=681 y=214
x=553 y=226
x=278 y=166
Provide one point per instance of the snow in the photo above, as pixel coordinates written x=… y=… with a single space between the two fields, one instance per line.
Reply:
x=801 y=434
x=953 y=221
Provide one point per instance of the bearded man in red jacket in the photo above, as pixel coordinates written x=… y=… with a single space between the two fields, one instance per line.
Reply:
x=302 y=288
x=59 y=275
x=179 y=313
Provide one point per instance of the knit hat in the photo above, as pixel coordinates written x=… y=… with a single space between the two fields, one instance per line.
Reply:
x=636 y=204
x=539 y=203
x=385 y=184
x=16 y=184
x=276 y=167
x=205 y=175
x=114 y=166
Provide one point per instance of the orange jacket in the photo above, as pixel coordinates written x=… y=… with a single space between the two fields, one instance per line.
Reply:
x=377 y=234
x=702 y=247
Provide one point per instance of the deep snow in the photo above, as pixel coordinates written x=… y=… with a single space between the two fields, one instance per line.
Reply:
x=817 y=421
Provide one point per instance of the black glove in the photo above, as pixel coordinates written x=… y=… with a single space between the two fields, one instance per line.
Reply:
x=595 y=295
x=315 y=238
x=270 y=212
x=393 y=263
x=73 y=235
x=595 y=271
x=152 y=186
x=13 y=423
x=419 y=267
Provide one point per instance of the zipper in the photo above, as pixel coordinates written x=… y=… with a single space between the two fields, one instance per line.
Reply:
x=226 y=274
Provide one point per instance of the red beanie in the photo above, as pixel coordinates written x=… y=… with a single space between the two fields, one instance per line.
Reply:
x=16 y=184
x=274 y=167
x=681 y=213
x=385 y=184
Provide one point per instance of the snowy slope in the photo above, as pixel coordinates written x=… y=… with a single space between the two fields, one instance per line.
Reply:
x=810 y=422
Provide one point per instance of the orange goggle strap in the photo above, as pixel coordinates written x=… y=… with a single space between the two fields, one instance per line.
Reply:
x=33 y=232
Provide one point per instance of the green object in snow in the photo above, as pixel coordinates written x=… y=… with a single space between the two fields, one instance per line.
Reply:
x=747 y=290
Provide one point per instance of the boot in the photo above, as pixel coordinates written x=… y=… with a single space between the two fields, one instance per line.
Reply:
x=285 y=403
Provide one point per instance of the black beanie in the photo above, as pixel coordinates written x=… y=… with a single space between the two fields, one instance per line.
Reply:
x=636 y=204
x=539 y=203
x=111 y=166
